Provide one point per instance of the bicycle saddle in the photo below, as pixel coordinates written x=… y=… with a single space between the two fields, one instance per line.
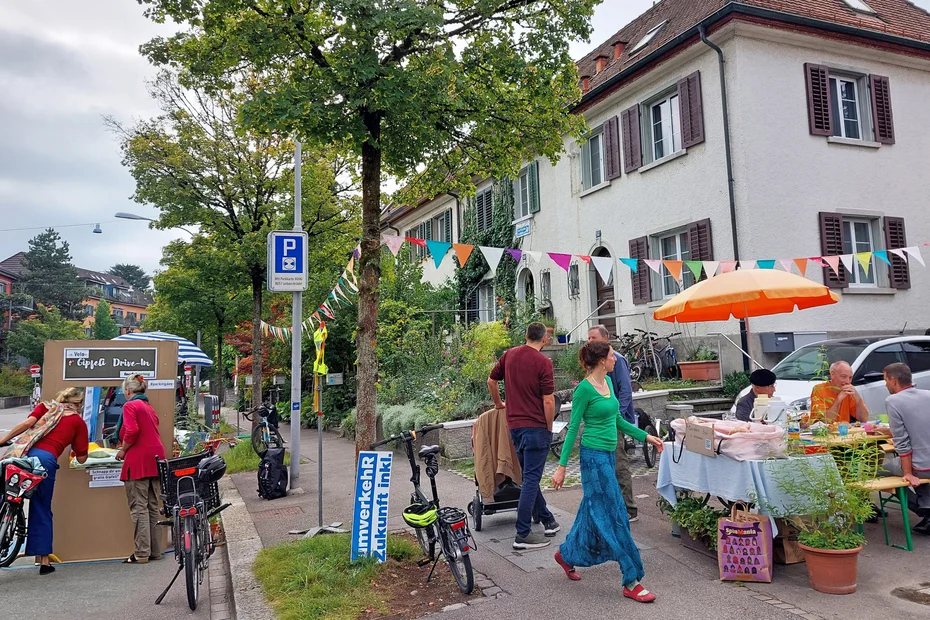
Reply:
x=427 y=450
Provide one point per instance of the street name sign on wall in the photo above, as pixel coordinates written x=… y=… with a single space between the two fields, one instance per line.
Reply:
x=287 y=261
x=109 y=364
x=372 y=489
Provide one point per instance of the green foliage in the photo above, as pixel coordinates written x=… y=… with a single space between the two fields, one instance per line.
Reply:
x=49 y=276
x=347 y=426
x=133 y=274
x=28 y=337
x=242 y=457
x=674 y=384
x=14 y=382
x=735 y=382
x=694 y=514
x=397 y=418
x=823 y=365
x=483 y=344
x=567 y=368
x=825 y=503
x=315 y=578
x=702 y=353
x=105 y=327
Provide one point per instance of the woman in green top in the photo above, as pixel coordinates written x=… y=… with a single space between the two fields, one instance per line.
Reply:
x=601 y=532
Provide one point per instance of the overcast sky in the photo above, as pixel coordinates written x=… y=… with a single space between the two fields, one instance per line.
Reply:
x=63 y=65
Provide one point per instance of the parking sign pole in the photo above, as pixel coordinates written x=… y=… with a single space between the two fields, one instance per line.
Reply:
x=296 y=335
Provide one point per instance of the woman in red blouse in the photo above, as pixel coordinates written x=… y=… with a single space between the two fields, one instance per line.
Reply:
x=70 y=430
x=140 y=447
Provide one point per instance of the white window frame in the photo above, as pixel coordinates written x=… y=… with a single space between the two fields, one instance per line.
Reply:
x=855 y=279
x=487 y=303
x=836 y=79
x=439 y=228
x=671 y=124
x=521 y=196
x=587 y=165
x=660 y=282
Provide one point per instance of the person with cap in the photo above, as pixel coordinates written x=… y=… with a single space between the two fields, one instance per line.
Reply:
x=762 y=381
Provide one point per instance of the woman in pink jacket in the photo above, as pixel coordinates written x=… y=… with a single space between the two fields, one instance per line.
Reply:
x=140 y=447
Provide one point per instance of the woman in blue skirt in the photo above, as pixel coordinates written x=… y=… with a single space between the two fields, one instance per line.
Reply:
x=601 y=532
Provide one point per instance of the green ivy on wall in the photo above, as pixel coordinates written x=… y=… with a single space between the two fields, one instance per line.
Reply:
x=499 y=235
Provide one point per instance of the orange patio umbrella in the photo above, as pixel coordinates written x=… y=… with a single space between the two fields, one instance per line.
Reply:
x=745 y=293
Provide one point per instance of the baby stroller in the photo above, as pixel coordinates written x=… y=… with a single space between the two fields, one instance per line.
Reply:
x=506 y=491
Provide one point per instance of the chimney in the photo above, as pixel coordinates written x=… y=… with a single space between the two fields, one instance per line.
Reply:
x=599 y=63
x=618 y=49
x=585 y=83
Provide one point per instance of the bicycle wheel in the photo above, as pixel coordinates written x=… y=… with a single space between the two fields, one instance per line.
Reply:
x=191 y=561
x=636 y=370
x=12 y=533
x=459 y=563
x=427 y=540
x=652 y=365
x=275 y=438
x=650 y=452
x=259 y=443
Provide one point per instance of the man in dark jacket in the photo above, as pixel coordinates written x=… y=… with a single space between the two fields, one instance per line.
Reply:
x=762 y=382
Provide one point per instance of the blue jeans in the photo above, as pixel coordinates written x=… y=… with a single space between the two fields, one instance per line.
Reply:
x=39 y=539
x=532 y=446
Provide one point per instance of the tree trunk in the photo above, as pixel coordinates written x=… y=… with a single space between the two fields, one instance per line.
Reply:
x=366 y=416
x=257 y=290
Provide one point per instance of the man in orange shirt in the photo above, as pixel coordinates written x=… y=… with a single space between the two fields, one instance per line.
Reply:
x=837 y=400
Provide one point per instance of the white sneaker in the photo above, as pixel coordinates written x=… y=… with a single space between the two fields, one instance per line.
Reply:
x=634 y=519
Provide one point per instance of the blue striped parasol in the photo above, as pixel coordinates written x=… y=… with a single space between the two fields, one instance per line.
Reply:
x=188 y=352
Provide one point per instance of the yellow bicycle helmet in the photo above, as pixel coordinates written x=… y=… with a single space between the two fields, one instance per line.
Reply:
x=420 y=515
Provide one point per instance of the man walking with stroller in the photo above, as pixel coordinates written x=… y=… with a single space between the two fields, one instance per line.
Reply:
x=529 y=386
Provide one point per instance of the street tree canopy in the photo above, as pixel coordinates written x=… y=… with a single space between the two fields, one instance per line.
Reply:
x=49 y=276
x=431 y=92
x=133 y=274
x=105 y=327
x=28 y=337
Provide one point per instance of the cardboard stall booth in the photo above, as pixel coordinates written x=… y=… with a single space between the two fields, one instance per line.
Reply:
x=91 y=513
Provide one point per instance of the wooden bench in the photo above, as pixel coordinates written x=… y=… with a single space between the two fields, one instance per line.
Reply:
x=892 y=490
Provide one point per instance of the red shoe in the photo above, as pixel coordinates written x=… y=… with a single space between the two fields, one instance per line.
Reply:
x=569 y=570
x=639 y=593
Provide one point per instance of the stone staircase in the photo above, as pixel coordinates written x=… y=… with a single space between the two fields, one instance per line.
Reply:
x=708 y=402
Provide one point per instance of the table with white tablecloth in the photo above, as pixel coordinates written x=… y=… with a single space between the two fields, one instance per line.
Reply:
x=727 y=478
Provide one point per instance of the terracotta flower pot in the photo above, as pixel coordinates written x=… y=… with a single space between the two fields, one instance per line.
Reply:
x=700 y=371
x=833 y=571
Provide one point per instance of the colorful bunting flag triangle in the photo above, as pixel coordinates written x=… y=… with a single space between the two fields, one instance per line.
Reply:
x=536 y=256
x=865 y=259
x=416 y=241
x=437 y=250
x=562 y=260
x=584 y=257
x=710 y=267
x=847 y=262
x=834 y=263
x=674 y=268
x=655 y=265
x=882 y=255
x=747 y=264
x=604 y=266
x=492 y=255
x=914 y=251
x=632 y=263
x=785 y=264
x=695 y=267
x=726 y=266
x=766 y=264
x=393 y=243
x=515 y=253
x=801 y=264
x=462 y=252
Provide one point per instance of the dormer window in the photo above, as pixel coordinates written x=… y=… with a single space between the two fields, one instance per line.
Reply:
x=860 y=6
x=647 y=38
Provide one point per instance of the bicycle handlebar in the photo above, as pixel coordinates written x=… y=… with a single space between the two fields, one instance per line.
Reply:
x=422 y=431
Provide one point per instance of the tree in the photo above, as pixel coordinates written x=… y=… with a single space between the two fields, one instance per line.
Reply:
x=105 y=328
x=134 y=274
x=49 y=276
x=28 y=338
x=201 y=166
x=431 y=92
x=201 y=289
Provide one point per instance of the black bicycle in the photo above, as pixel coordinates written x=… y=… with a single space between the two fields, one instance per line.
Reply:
x=434 y=523
x=191 y=498
x=266 y=434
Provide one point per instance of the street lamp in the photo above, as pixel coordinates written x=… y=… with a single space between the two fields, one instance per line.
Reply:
x=132 y=216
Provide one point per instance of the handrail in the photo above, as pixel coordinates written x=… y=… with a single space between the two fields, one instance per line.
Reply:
x=585 y=320
x=727 y=338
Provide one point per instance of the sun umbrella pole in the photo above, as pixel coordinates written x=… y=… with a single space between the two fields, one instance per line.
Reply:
x=748 y=337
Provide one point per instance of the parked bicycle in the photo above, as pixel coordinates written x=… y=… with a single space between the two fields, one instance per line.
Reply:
x=667 y=356
x=266 y=434
x=191 y=498
x=20 y=481
x=431 y=522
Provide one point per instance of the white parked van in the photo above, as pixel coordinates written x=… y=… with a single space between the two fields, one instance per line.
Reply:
x=797 y=374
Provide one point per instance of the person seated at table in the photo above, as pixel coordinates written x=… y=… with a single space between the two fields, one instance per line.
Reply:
x=837 y=400
x=909 y=416
x=762 y=381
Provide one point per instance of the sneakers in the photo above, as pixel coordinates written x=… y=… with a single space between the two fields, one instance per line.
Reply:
x=552 y=528
x=634 y=518
x=532 y=540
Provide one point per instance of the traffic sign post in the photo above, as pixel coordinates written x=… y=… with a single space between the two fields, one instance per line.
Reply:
x=36 y=371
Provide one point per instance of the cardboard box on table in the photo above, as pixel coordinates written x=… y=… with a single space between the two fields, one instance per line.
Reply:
x=94 y=523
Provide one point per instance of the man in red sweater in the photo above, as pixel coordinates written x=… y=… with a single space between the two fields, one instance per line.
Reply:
x=530 y=387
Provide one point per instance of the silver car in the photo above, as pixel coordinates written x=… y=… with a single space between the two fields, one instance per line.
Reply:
x=799 y=372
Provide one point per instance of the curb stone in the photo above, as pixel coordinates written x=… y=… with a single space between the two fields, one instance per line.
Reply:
x=220 y=587
x=242 y=546
x=790 y=608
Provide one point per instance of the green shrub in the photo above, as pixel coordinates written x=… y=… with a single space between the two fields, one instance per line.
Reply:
x=482 y=345
x=568 y=371
x=397 y=418
x=735 y=382
x=14 y=382
x=347 y=426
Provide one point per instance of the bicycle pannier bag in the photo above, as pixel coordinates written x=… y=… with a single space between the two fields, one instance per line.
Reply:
x=272 y=475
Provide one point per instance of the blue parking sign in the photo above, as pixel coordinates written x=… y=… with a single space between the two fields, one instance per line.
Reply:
x=287 y=261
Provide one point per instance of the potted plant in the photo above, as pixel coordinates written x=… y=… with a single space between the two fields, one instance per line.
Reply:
x=562 y=336
x=696 y=521
x=827 y=511
x=702 y=365
x=550 y=328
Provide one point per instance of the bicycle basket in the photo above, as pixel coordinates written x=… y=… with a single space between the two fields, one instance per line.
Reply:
x=171 y=470
x=420 y=515
x=20 y=482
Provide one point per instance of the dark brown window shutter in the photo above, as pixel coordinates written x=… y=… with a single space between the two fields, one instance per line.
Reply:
x=632 y=143
x=899 y=273
x=831 y=244
x=642 y=282
x=881 y=109
x=701 y=242
x=819 y=111
x=612 y=147
x=692 y=110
